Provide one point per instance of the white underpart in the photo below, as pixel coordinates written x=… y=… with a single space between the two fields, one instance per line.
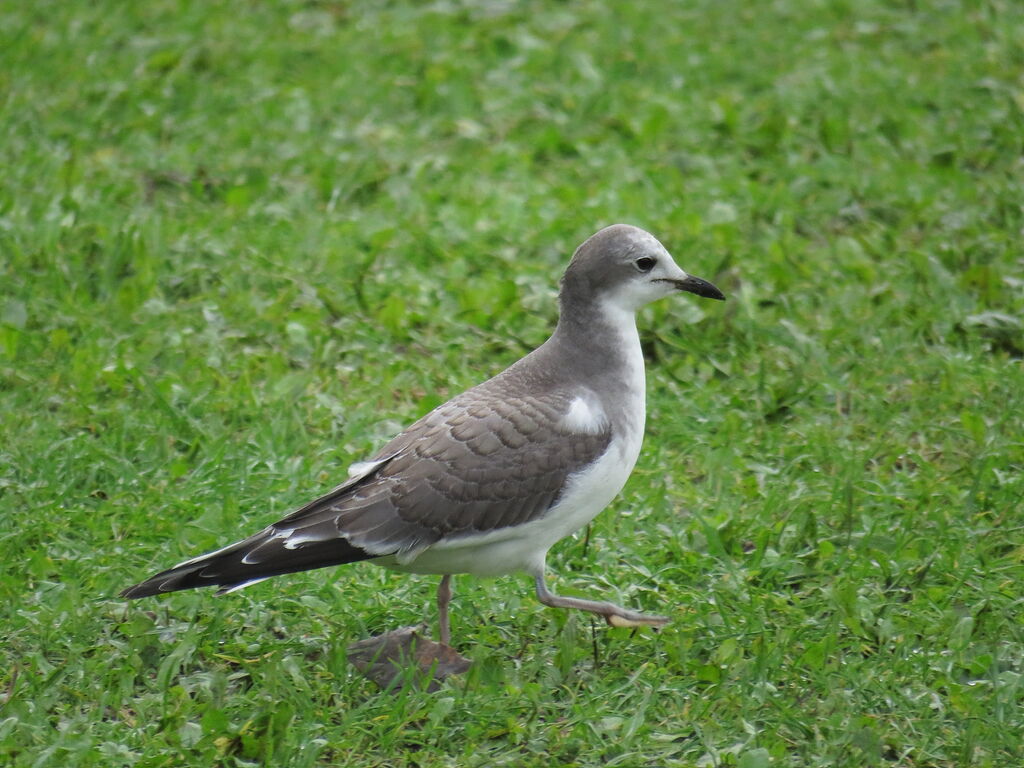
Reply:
x=587 y=492
x=585 y=416
x=634 y=381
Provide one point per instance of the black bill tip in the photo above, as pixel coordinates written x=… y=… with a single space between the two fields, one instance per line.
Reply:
x=699 y=286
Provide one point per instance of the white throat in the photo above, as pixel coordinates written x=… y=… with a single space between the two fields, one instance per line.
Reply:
x=626 y=338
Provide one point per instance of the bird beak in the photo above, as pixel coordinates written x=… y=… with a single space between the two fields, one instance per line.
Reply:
x=699 y=286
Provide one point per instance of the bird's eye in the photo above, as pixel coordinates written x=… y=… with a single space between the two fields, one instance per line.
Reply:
x=645 y=263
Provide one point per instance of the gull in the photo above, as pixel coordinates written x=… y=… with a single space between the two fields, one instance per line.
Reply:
x=488 y=482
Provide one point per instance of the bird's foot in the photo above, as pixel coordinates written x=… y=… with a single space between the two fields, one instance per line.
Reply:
x=615 y=615
x=388 y=659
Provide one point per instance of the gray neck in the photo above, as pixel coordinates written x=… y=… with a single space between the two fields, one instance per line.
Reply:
x=595 y=344
x=597 y=348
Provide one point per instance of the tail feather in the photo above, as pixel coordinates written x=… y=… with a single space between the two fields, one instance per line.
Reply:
x=232 y=568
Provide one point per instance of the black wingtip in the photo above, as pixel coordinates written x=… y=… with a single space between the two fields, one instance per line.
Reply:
x=233 y=566
x=171 y=580
x=143 y=589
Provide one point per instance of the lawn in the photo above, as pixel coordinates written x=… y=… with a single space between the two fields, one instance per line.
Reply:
x=242 y=244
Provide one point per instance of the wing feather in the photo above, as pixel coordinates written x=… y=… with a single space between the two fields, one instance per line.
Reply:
x=428 y=483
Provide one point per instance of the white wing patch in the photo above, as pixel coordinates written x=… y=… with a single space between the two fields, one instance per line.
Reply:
x=585 y=416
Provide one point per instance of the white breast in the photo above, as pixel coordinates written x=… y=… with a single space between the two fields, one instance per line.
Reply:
x=633 y=397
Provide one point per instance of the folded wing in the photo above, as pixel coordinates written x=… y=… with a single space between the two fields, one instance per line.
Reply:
x=475 y=464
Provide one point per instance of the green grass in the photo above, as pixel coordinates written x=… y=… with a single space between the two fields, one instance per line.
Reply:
x=241 y=244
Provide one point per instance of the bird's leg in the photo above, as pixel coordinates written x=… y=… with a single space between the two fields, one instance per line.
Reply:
x=615 y=615
x=444 y=596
